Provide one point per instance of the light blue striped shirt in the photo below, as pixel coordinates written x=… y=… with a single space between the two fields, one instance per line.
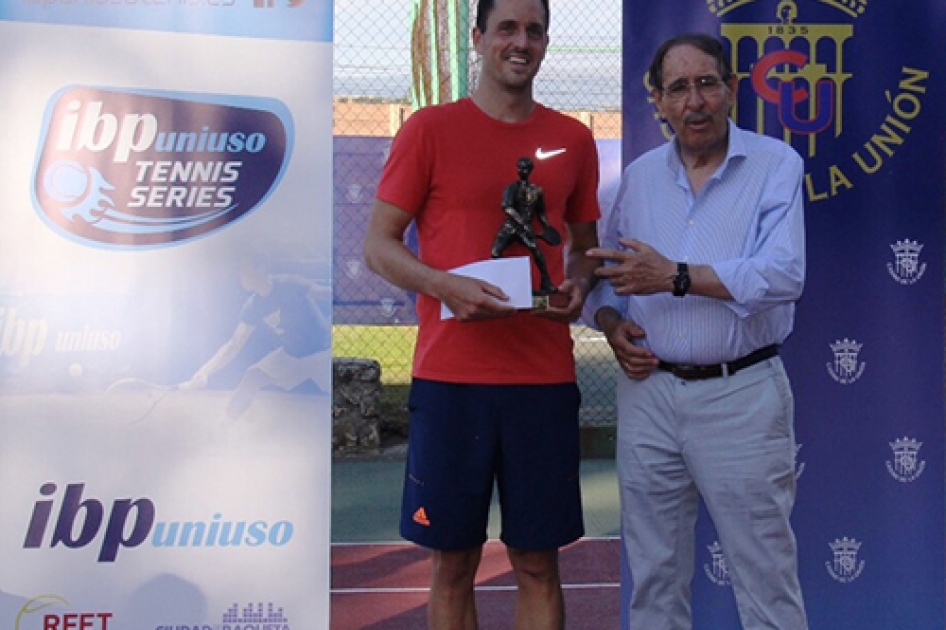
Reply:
x=747 y=222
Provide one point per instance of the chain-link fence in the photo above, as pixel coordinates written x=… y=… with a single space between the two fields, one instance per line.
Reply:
x=394 y=55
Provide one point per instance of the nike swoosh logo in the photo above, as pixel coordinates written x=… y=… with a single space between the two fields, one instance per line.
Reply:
x=544 y=155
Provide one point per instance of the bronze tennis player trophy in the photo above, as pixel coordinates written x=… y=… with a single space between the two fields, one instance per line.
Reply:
x=523 y=204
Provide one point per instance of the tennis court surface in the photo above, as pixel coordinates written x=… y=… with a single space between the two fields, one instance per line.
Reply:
x=380 y=582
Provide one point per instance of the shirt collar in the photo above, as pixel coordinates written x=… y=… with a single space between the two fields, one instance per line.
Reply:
x=735 y=149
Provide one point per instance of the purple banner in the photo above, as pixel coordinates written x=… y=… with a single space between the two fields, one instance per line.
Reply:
x=857 y=90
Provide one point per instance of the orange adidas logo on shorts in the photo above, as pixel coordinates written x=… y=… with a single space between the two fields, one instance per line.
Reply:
x=420 y=517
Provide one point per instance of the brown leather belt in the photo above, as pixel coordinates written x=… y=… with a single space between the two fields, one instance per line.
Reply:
x=701 y=372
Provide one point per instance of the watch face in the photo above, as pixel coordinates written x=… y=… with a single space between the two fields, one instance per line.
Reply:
x=681 y=284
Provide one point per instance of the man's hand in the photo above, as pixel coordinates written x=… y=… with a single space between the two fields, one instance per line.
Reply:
x=470 y=299
x=636 y=362
x=638 y=270
x=571 y=310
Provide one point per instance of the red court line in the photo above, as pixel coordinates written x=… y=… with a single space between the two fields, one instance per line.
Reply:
x=384 y=586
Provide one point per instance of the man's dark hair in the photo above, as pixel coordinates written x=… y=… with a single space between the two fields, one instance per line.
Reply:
x=707 y=43
x=485 y=7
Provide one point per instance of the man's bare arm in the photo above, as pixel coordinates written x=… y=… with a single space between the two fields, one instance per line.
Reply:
x=388 y=256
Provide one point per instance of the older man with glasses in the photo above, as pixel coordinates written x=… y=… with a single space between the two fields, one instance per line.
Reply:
x=705 y=259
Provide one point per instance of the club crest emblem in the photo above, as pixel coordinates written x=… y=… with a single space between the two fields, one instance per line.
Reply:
x=906 y=466
x=796 y=66
x=846 y=368
x=355 y=193
x=353 y=268
x=845 y=567
x=388 y=307
x=906 y=267
x=717 y=571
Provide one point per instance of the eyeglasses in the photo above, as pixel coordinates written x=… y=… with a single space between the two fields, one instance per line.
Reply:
x=708 y=87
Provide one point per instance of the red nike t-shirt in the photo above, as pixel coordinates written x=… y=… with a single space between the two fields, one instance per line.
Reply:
x=449 y=166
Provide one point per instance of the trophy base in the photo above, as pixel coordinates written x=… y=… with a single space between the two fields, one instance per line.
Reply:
x=545 y=301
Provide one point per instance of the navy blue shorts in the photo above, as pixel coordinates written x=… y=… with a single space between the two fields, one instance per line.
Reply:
x=464 y=439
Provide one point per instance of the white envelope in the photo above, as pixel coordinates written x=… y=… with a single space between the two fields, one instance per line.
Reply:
x=513 y=275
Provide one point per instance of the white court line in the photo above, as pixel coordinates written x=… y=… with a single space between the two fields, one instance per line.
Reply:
x=404 y=543
x=482 y=589
x=393 y=543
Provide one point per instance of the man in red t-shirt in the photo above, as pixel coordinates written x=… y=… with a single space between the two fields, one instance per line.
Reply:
x=494 y=399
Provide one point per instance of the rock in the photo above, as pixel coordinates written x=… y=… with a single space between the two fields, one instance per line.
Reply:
x=356 y=405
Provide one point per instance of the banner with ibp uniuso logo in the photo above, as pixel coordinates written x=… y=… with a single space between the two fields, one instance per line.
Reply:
x=165 y=315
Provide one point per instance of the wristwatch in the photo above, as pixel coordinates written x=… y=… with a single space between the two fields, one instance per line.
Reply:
x=681 y=283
